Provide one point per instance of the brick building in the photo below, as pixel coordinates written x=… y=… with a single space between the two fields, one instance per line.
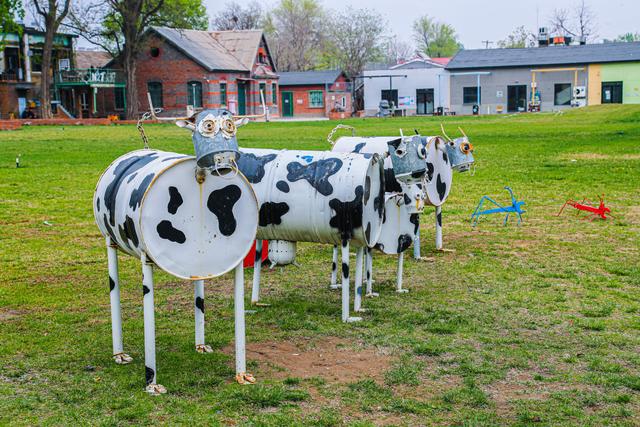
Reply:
x=324 y=93
x=184 y=69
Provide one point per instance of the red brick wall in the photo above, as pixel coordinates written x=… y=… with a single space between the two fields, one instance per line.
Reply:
x=8 y=100
x=301 y=100
x=174 y=70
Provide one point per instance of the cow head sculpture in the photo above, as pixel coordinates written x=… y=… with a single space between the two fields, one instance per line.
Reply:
x=460 y=152
x=214 y=136
x=408 y=159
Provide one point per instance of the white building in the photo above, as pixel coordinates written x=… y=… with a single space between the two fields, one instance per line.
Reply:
x=419 y=86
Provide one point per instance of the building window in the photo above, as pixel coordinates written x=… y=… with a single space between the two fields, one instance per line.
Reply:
x=343 y=102
x=154 y=52
x=274 y=94
x=391 y=95
x=263 y=91
x=155 y=90
x=562 y=94
x=470 y=95
x=194 y=94
x=316 y=99
x=119 y=98
x=223 y=93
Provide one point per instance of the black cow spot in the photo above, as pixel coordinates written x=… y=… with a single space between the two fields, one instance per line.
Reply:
x=415 y=220
x=439 y=218
x=395 y=143
x=175 y=200
x=128 y=232
x=430 y=170
x=391 y=184
x=149 y=374
x=112 y=284
x=418 y=173
x=333 y=266
x=380 y=246
x=367 y=189
x=441 y=187
x=367 y=232
x=358 y=147
x=271 y=213
x=122 y=170
x=404 y=241
x=221 y=203
x=167 y=231
x=145 y=290
x=445 y=157
x=200 y=304
x=315 y=173
x=98 y=204
x=348 y=215
x=109 y=229
x=252 y=166
x=406 y=199
x=282 y=186
x=132 y=177
x=136 y=195
x=378 y=201
x=345 y=270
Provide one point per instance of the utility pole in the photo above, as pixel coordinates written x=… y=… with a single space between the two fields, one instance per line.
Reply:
x=487 y=43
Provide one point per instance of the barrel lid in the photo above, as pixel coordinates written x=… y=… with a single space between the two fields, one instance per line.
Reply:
x=198 y=230
x=439 y=173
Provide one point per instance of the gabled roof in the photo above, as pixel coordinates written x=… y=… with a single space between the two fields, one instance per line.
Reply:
x=92 y=58
x=216 y=50
x=418 y=63
x=550 y=55
x=301 y=78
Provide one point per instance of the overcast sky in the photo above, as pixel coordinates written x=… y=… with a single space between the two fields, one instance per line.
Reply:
x=476 y=21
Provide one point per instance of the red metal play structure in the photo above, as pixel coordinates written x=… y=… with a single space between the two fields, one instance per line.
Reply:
x=600 y=211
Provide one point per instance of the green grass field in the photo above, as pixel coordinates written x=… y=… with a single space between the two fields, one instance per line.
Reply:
x=532 y=325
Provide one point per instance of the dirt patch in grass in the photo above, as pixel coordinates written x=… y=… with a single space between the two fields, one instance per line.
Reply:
x=335 y=360
x=9 y=314
x=598 y=156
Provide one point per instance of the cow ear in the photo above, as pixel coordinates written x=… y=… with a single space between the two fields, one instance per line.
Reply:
x=189 y=123
x=241 y=122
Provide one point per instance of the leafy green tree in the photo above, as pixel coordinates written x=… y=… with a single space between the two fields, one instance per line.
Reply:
x=436 y=39
x=628 y=37
x=519 y=38
x=10 y=10
x=118 y=26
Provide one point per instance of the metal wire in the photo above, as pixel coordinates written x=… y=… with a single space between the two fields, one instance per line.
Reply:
x=335 y=129
x=140 y=127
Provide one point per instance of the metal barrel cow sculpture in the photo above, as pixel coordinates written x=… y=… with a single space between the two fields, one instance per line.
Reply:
x=315 y=196
x=195 y=218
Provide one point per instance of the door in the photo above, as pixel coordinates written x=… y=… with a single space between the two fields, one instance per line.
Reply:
x=390 y=95
x=517 y=98
x=424 y=101
x=242 y=98
x=612 y=92
x=287 y=104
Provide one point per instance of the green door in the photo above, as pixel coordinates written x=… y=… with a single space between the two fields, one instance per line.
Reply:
x=242 y=98
x=287 y=104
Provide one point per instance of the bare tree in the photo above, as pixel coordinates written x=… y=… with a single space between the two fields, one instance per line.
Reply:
x=295 y=30
x=396 y=51
x=579 y=22
x=119 y=26
x=51 y=14
x=236 y=17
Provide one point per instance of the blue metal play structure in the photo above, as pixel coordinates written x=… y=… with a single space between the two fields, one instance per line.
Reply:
x=516 y=207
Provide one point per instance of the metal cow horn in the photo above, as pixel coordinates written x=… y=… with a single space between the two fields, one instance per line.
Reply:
x=444 y=133
x=463 y=134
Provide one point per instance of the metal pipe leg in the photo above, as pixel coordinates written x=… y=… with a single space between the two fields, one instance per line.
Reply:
x=357 y=298
x=416 y=245
x=119 y=356
x=257 y=266
x=345 y=284
x=438 y=228
x=399 y=277
x=149 y=328
x=369 y=272
x=334 y=269
x=242 y=376
x=198 y=296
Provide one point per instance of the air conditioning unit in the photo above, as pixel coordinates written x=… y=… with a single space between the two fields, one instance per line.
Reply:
x=580 y=92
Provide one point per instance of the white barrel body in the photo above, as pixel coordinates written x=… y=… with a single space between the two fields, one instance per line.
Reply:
x=149 y=201
x=439 y=174
x=399 y=227
x=316 y=196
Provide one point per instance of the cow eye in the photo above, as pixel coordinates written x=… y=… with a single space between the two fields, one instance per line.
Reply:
x=228 y=127
x=422 y=152
x=209 y=126
x=465 y=148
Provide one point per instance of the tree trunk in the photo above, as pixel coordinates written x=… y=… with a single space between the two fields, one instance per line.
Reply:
x=45 y=76
x=132 y=89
